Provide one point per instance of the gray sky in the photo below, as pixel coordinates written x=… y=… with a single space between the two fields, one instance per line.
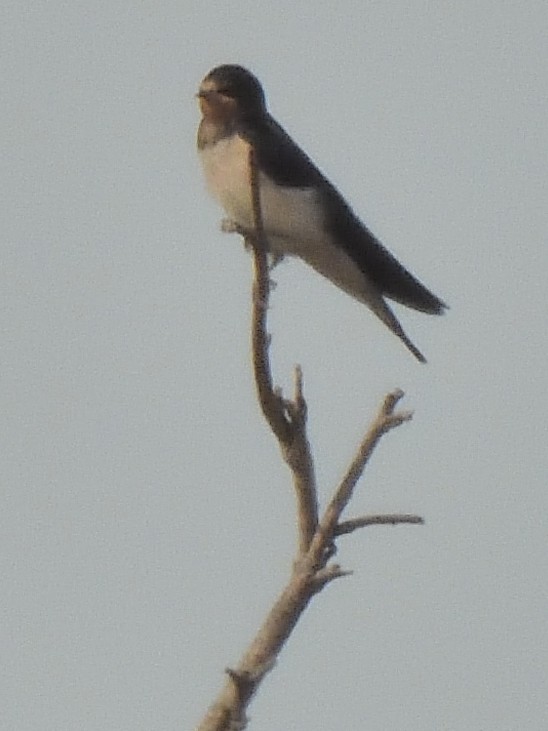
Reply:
x=146 y=522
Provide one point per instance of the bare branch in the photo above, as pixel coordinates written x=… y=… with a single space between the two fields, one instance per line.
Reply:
x=271 y=403
x=298 y=456
x=261 y=654
x=349 y=526
x=385 y=420
x=311 y=571
x=287 y=419
x=329 y=573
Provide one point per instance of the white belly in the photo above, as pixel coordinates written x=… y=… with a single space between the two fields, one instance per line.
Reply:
x=288 y=213
x=292 y=217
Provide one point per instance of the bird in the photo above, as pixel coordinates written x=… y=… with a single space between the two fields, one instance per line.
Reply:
x=303 y=214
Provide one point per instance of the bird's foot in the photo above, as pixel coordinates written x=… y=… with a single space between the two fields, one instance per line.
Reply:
x=274 y=260
x=228 y=226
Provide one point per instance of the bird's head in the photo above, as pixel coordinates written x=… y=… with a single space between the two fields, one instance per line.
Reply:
x=230 y=91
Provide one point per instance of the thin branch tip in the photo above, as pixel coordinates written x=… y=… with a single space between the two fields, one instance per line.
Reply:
x=327 y=575
x=400 y=417
x=349 y=526
x=392 y=399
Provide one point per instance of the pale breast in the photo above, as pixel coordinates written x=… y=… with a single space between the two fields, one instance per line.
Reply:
x=226 y=172
x=288 y=213
x=292 y=217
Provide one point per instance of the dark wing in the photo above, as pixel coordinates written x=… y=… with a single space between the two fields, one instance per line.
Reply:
x=286 y=164
x=382 y=267
x=278 y=155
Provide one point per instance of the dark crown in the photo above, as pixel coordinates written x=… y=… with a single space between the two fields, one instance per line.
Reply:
x=238 y=83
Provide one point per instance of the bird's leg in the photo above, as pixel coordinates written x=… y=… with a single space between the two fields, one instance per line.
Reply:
x=228 y=226
x=274 y=260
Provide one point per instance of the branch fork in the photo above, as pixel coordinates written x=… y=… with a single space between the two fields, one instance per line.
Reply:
x=317 y=536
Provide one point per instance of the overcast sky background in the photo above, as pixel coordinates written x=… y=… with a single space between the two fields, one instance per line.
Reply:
x=146 y=520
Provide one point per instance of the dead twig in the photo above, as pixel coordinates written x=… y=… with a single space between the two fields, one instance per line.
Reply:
x=349 y=526
x=311 y=570
x=287 y=418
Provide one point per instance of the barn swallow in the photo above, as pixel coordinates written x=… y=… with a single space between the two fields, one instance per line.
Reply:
x=304 y=215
